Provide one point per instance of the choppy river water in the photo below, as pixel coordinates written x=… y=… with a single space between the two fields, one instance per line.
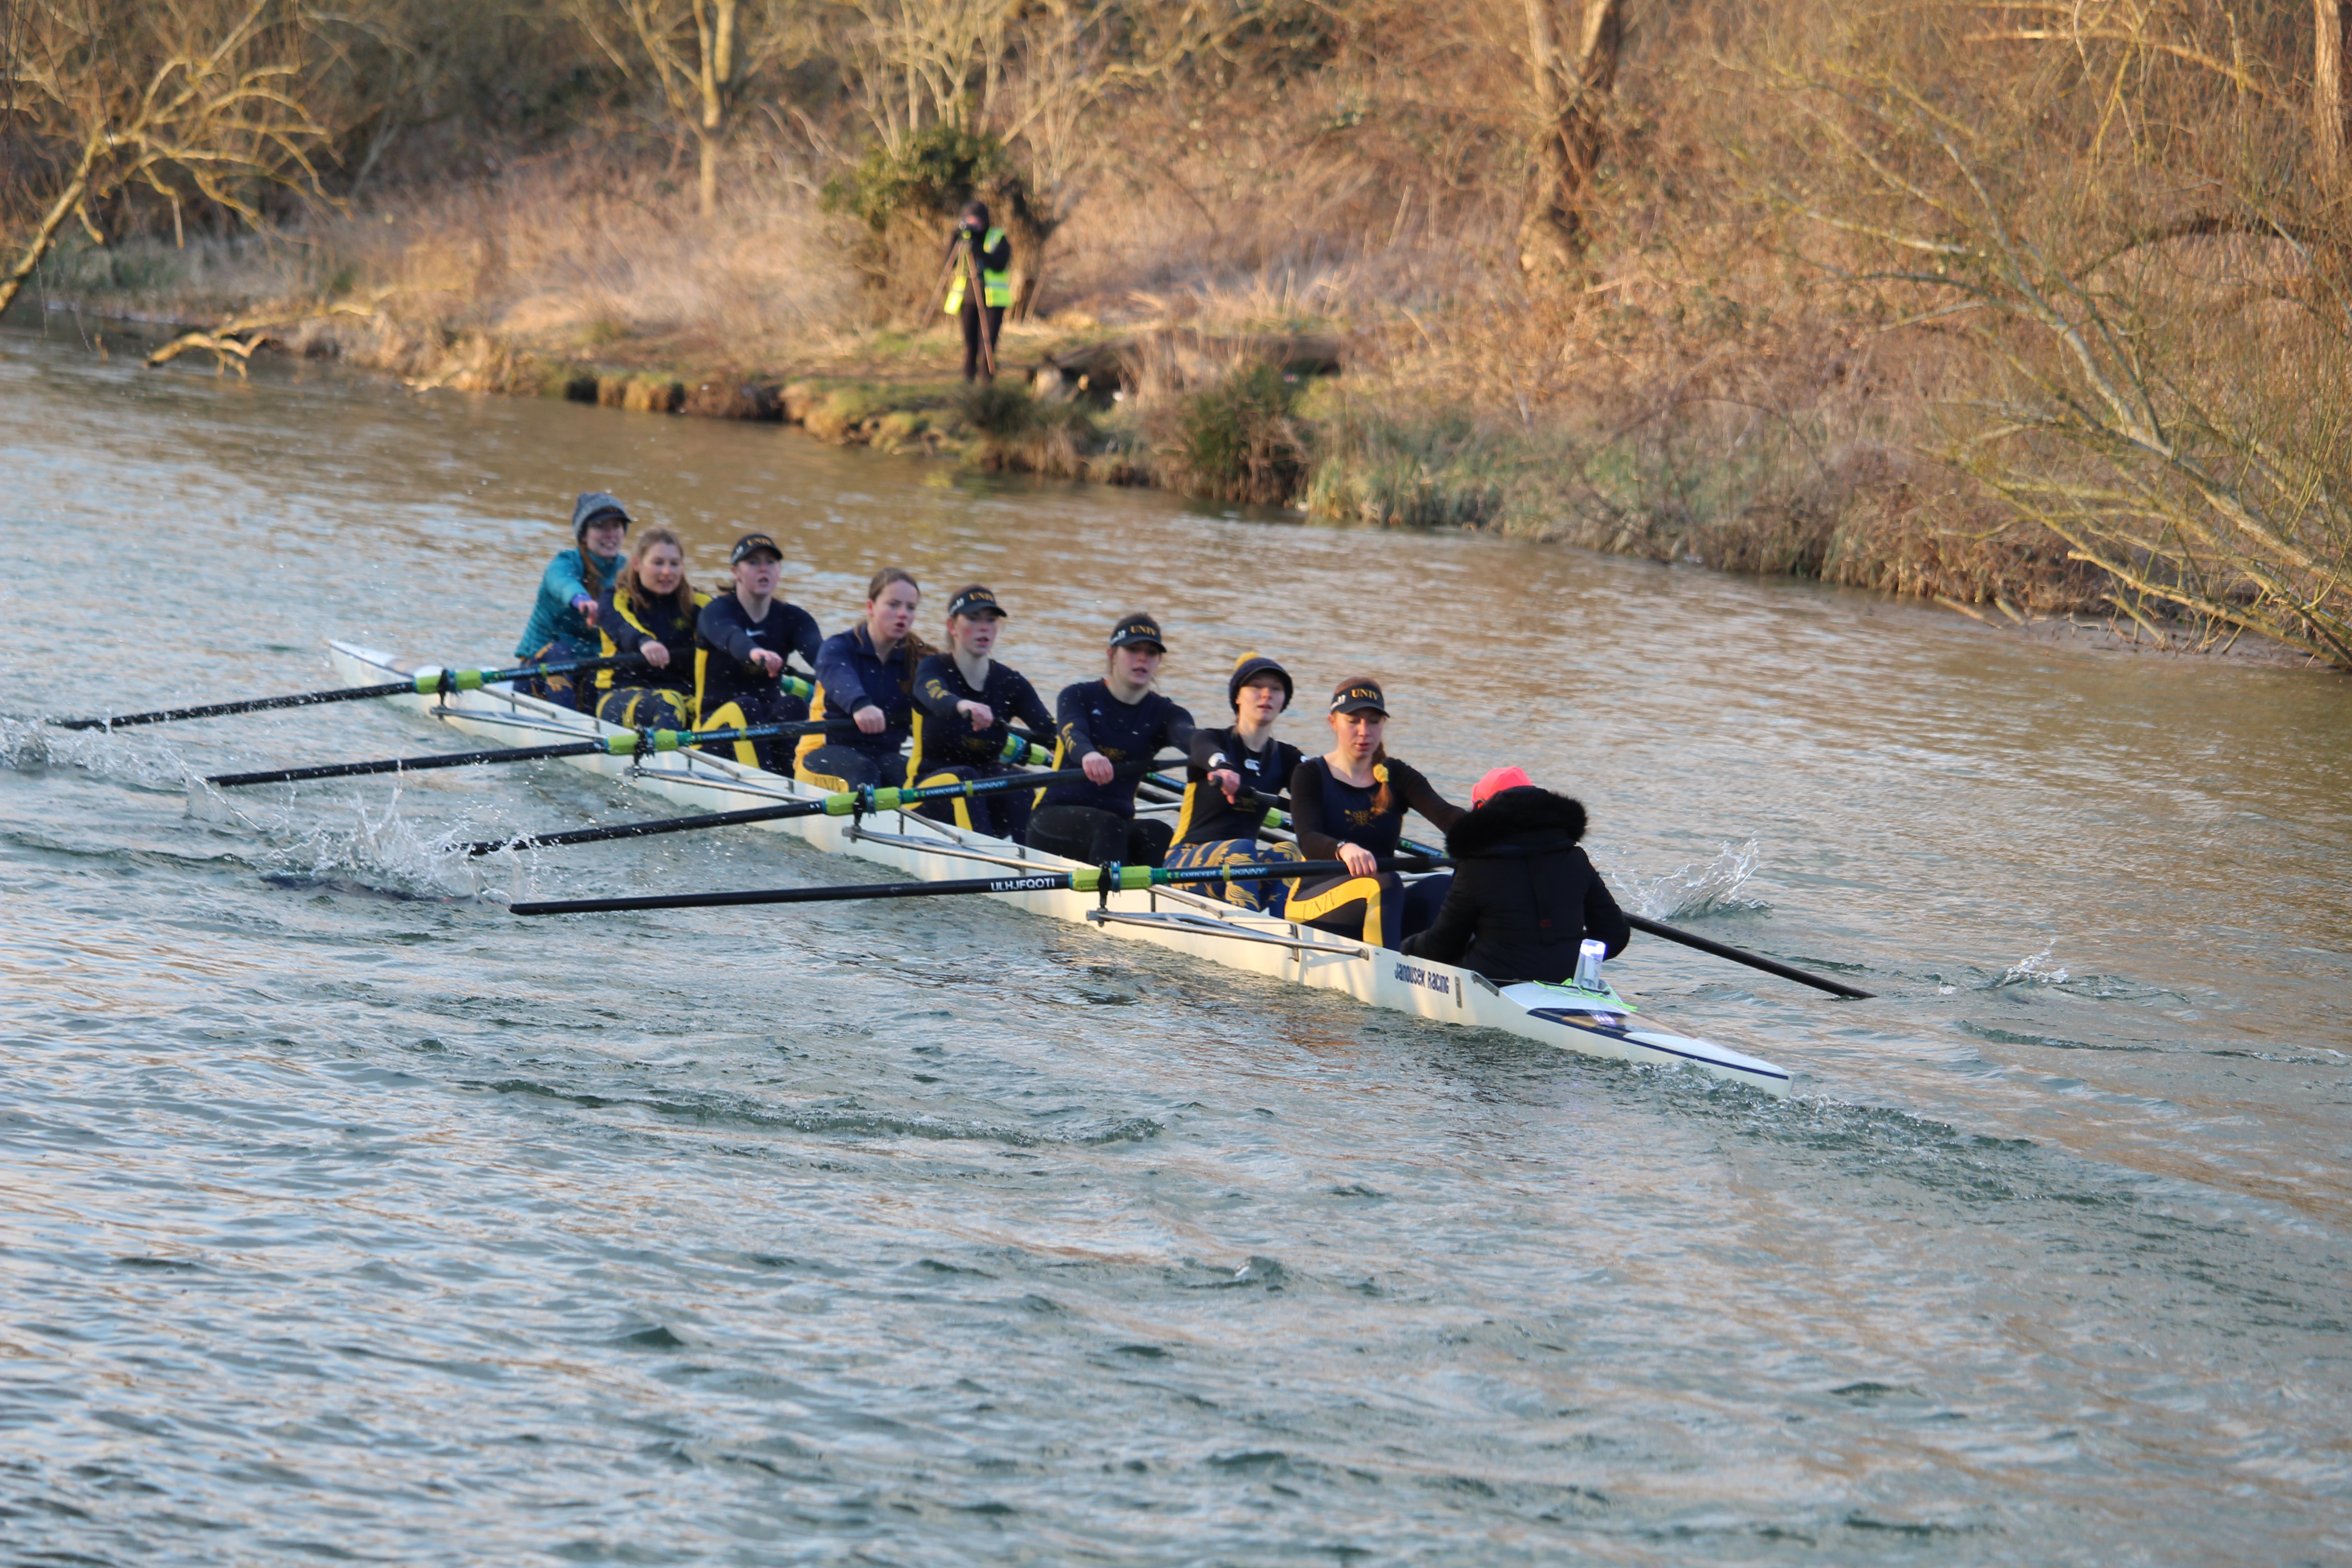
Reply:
x=348 y=1217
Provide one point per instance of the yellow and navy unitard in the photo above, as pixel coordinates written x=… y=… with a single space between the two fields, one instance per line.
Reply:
x=738 y=694
x=947 y=748
x=646 y=697
x=849 y=676
x=1326 y=811
x=1095 y=823
x=1214 y=831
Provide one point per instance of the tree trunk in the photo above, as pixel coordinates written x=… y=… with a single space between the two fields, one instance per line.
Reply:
x=1571 y=102
x=2331 y=89
x=52 y=221
x=1029 y=230
x=714 y=26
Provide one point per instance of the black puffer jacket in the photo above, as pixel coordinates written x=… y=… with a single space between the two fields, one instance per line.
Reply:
x=1524 y=895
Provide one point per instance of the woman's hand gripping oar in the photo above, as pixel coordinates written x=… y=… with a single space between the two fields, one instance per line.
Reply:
x=844 y=804
x=425 y=683
x=1105 y=880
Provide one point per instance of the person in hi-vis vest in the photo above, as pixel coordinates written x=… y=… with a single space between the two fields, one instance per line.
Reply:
x=994 y=254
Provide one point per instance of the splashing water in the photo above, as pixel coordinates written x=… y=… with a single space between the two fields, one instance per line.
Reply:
x=26 y=744
x=1701 y=888
x=380 y=850
x=2033 y=970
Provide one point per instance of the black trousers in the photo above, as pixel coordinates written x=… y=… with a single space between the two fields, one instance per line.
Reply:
x=1095 y=837
x=854 y=768
x=970 y=316
x=1380 y=909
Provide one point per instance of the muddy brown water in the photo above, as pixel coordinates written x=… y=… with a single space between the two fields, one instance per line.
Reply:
x=348 y=1217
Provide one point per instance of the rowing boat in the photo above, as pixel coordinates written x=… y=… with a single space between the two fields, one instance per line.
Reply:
x=1598 y=1023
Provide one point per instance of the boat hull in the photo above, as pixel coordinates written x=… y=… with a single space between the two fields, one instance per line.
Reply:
x=1181 y=920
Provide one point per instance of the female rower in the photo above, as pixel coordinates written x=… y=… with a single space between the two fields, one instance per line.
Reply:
x=1348 y=805
x=1524 y=897
x=1102 y=723
x=744 y=636
x=867 y=675
x=1236 y=778
x=562 y=623
x=650 y=609
x=965 y=703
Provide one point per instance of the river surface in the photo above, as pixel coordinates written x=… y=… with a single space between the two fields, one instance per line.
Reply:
x=348 y=1217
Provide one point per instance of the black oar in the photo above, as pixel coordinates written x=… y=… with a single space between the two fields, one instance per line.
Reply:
x=1753 y=960
x=1085 y=879
x=430 y=683
x=844 y=804
x=627 y=743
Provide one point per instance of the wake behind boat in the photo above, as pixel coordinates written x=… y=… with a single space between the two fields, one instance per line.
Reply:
x=1595 y=1022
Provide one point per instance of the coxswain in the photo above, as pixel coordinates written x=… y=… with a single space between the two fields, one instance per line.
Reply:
x=650 y=610
x=562 y=623
x=965 y=703
x=1235 y=779
x=867 y=675
x=745 y=638
x=1348 y=805
x=1524 y=895
x=1097 y=725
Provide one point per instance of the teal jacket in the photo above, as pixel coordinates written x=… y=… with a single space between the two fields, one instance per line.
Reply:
x=553 y=618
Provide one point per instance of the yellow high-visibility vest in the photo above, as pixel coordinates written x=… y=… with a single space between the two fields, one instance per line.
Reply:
x=995 y=287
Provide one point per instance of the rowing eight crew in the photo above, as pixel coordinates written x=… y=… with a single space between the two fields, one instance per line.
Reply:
x=1517 y=907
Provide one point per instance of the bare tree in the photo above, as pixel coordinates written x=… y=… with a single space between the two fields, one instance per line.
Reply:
x=2331 y=60
x=194 y=100
x=703 y=55
x=1572 y=91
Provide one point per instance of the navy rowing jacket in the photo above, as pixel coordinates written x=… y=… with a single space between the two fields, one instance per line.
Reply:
x=849 y=676
x=1089 y=719
x=944 y=736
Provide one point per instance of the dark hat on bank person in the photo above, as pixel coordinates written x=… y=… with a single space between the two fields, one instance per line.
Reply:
x=1136 y=629
x=1359 y=695
x=593 y=505
x=974 y=601
x=1248 y=668
x=751 y=544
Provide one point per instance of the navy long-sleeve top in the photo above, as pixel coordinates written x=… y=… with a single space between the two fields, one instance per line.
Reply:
x=1326 y=811
x=944 y=736
x=1087 y=718
x=729 y=635
x=850 y=676
x=1207 y=816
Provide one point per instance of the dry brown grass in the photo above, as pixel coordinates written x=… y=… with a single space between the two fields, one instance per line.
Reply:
x=1749 y=371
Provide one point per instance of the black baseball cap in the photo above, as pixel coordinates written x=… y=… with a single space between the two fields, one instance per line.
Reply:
x=1356 y=696
x=1134 y=629
x=1248 y=668
x=751 y=545
x=975 y=601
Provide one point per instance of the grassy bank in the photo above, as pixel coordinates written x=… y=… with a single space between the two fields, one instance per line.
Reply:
x=1366 y=446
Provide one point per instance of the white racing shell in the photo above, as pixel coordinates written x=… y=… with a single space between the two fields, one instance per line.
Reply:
x=1591 y=1024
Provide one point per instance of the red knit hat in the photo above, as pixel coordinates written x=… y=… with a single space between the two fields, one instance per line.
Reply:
x=1497 y=782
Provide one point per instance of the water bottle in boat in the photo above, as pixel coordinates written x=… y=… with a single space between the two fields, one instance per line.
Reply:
x=1588 y=959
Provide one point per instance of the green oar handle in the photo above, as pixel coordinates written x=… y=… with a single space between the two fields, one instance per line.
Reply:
x=1089 y=878
x=427 y=683
x=627 y=743
x=844 y=802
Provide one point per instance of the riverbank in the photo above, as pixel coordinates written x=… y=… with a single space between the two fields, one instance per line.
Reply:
x=1196 y=411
